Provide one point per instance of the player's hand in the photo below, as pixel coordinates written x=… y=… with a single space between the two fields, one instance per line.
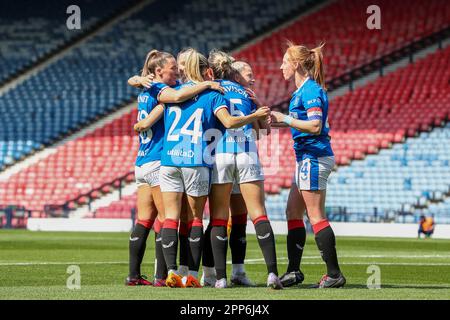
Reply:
x=213 y=85
x=138 y=128
x=252 y=96
x=262 y=112
x=269 y=120
x=146 y=81
x=277 y=116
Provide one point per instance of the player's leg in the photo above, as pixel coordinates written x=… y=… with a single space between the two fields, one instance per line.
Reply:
x=312 y=179
x=147 y=213
x=253 y=193
x=238 y=238
x=220 y=205
x=209 y=272
x=183 y=269
x=197 y=184
x=296 y=237
x=160 y=262
x=172 y=188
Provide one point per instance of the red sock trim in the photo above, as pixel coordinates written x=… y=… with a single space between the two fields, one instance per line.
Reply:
x=184 y=228
x=259 y=219
x=147 y=224
x=157 y=226
x=170 y=224
x=294 y=224
x=219 y=223
x=240 y=219
x=319 y=226
x=196 y=223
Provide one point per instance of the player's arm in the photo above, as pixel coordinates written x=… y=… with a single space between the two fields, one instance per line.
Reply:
x=139 y=82
x=311 y=126
x=150 y=120
x=169 y=95
x=231 y=122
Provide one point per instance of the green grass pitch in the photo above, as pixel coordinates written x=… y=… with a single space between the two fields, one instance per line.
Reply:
x=33 y=265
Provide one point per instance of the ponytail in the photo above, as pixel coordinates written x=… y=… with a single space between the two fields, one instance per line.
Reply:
x=195 y=65
x=222 y=65
x=318 y=72
x=308 y=61
x=153 y=60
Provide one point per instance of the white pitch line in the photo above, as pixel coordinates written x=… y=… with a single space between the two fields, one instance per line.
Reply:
x=59 y=263
x=437 y=256
x=247 y=261
x=258 y=261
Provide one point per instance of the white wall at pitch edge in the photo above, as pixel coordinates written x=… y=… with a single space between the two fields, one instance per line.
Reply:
x=398 y=230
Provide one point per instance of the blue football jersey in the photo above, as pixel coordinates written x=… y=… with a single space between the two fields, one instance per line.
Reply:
x=150 y=141
x=240 y=139
x=310 y=102
x=190 y=127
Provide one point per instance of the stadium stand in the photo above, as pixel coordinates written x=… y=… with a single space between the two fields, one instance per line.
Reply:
x=30 y=30
x=89 y=82
x=348 y=44
x=396 y=179
x=76 y=168
x=366 y=120
x=441 y=211
x=118 y=209
x=61 y=101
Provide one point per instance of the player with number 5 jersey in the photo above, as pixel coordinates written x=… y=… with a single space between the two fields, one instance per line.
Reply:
x=237 y=161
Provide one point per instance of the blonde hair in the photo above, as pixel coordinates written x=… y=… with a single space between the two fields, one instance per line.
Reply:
x=183 y=52
x=310 y=61
x=195 y=66
x=222 y=65
x=153 y=60
x=240 y=65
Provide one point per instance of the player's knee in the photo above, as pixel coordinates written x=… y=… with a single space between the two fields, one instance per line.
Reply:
x=293 y=213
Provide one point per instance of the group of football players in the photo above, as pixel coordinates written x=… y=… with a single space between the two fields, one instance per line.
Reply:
x=198 y=124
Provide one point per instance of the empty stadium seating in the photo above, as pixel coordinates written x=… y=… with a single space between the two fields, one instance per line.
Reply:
x=441 y=211
x=76 y=168
x=372 y=117
x=395 y=179
x=90 y=82
x=120 y=209
x=349 y=43
x=366 y=120
x=32 y=29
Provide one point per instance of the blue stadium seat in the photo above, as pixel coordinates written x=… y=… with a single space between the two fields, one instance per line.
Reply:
x=395 y=179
